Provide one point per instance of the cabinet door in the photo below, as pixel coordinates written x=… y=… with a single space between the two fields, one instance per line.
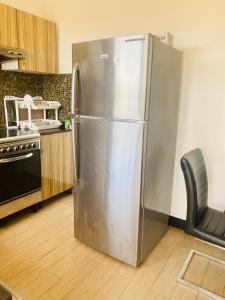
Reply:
x=41 y=33
x=26 y=38
x=56 y=164
x=8 y=26
x=37 y=36
x=51 y=47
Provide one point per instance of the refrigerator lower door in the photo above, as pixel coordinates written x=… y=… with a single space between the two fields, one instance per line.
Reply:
x=107 y=194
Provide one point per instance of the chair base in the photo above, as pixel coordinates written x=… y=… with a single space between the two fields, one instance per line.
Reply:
x=205 y=236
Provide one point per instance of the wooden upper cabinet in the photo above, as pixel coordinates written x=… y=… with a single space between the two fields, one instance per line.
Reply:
x=8 y=27
x=52 y=47
x=38 y=37
x=26 y=39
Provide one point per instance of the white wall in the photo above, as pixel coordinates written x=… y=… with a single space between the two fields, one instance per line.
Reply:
x=199 y=29
x=35 y=7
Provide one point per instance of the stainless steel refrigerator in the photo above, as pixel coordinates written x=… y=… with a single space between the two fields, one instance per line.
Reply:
x=125 y=103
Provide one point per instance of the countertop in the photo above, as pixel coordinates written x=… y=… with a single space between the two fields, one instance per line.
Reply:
x=52 y=131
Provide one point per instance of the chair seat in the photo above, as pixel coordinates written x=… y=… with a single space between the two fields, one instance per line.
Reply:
x=212 y=227
x=213 y=222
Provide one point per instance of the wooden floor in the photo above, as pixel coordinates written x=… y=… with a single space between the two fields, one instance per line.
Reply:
x=40 y=259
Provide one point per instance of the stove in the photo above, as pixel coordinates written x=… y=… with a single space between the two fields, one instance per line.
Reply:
x=20 y=168
x=11 y=135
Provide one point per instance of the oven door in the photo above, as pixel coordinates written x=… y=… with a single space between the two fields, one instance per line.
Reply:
x=19 y=175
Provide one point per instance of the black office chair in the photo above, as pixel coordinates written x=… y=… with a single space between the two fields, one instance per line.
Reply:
x=202 y=221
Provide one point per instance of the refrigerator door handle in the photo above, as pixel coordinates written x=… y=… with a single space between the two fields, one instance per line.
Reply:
x=73 y=88
x=76 y=89
x=76 y=147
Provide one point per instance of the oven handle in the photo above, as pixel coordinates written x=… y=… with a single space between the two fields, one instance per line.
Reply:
x=8 y=160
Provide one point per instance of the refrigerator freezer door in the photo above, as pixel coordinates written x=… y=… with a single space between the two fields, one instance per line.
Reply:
x=113 y=76
x=107 y=195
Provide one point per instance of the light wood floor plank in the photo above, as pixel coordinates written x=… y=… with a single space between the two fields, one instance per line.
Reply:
x=203 y=297
x=76 y=294
x=214 y=279
x=39 y=285
x=184 y=293
x=94 y=281
x=167 y=280
x=196 y=270
x=108 y=290
x=219 y=253
x=151 y=295
x=41 y=259
x=66 y=285
x=142 y=282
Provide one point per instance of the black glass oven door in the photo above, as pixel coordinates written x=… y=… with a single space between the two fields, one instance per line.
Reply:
x=19 y=175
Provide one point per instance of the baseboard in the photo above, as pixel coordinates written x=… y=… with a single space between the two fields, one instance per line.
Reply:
x=176 y=222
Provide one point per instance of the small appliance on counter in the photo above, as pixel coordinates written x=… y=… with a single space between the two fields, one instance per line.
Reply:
x=30 y=113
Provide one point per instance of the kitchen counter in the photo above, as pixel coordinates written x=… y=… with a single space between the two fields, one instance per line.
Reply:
x=52 y=131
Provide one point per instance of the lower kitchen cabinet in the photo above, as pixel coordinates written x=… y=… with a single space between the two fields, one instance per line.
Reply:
x=56 y=163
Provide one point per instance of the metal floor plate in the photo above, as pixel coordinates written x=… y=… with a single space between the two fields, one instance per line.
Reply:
x=204 y=273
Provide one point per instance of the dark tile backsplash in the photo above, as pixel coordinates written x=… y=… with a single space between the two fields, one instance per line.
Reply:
x=58 y=87
x=18 y=84
x=51 y=87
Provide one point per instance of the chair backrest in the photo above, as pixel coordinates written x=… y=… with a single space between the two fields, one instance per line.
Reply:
x=195 y=175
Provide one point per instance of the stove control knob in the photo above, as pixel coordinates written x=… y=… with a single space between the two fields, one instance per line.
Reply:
x=28 y=146
x=3 y=150
x=9 y=149
x=22 y=147
x=33 y=145
x=16 y=148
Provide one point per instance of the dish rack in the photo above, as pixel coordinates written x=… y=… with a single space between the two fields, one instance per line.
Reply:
x=40 y=124
x=34 y=104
